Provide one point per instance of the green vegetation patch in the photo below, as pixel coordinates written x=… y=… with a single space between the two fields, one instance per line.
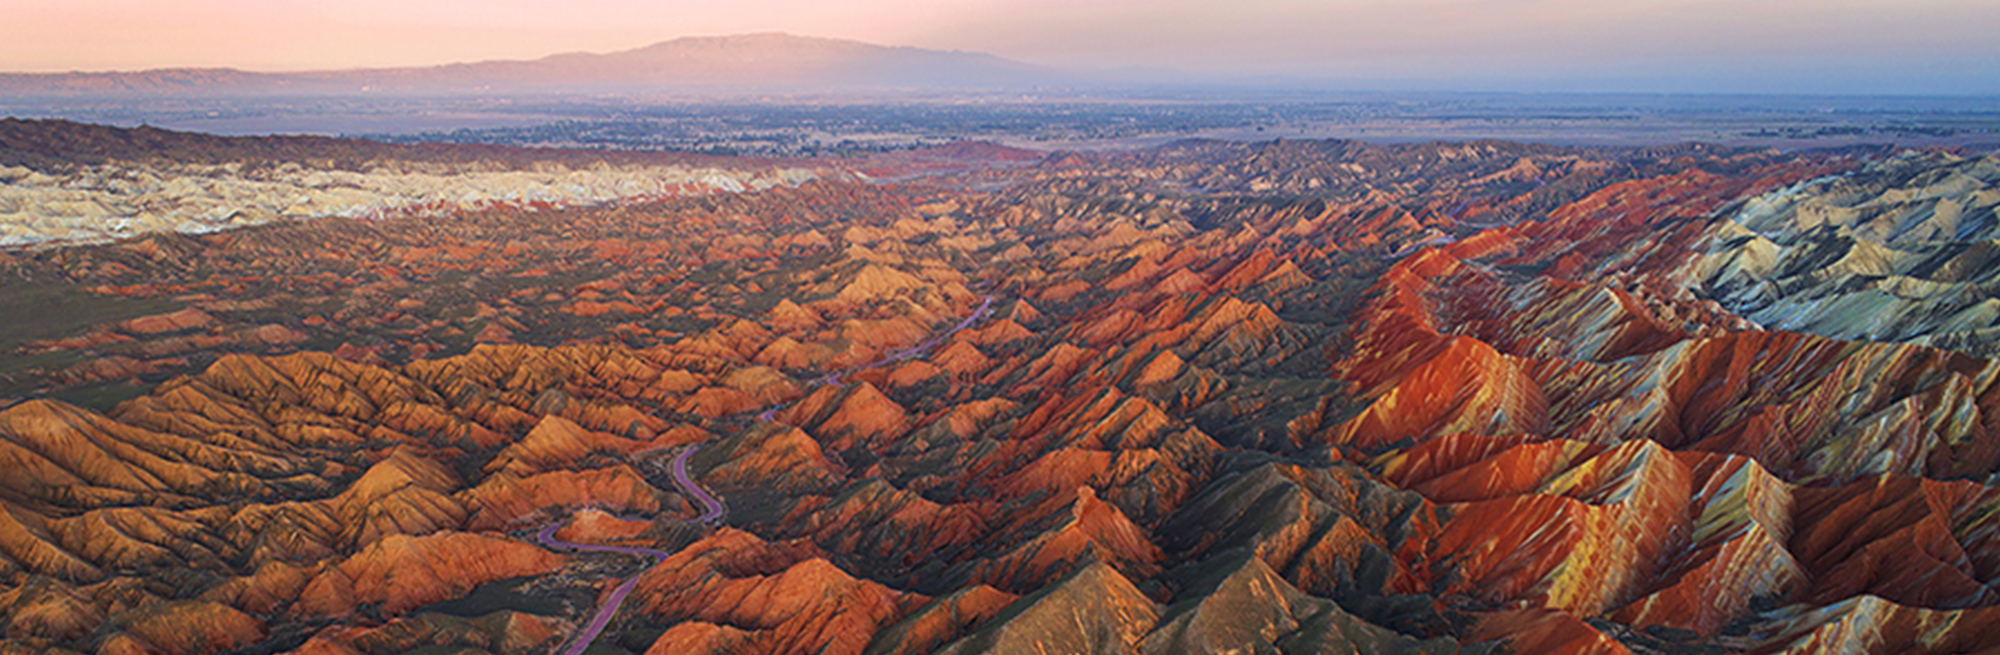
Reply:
x=42 y=310
x=517 y=594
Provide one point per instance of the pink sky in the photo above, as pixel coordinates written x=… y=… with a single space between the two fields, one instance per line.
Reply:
x=1887 y=39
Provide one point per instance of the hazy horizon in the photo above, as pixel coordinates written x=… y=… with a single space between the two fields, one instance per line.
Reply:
x=1915 y=47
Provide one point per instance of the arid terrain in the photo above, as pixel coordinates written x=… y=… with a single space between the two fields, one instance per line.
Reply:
x=331 y=397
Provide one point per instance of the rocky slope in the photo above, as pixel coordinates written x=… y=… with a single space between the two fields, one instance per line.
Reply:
x=1897 y=251
x=1493 y=400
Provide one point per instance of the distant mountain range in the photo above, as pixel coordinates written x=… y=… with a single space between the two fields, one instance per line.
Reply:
x=750 y=61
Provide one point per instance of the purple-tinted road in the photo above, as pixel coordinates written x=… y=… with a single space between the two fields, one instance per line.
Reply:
x=679 y=469
x=547 y=537
x=985 y=306
x=836 y=378
x=610 y=608
x=713 y=508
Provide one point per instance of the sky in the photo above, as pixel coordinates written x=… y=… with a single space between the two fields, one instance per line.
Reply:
x=1787 y=46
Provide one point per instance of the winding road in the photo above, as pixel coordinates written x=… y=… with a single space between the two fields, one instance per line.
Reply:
x=679 y=469
x=548 y=539
x=835 y=378
x=985 y=307
x=713 y=509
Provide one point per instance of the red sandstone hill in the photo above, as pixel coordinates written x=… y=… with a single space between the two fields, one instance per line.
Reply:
x=1266 y=417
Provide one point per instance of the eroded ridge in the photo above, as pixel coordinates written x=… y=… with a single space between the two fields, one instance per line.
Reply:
x=1289 y=397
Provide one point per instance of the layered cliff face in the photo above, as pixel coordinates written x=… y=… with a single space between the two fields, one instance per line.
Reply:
x=1449 y=399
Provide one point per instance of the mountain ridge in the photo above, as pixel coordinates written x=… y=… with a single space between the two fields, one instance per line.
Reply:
x=763 y=60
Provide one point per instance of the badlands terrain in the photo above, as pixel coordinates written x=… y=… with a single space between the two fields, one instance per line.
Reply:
x=337 y=398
